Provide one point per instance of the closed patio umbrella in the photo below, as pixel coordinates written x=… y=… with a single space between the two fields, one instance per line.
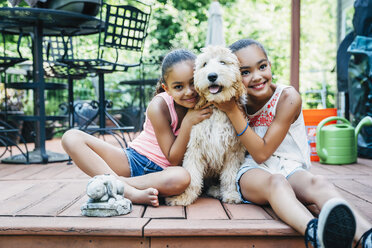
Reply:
x=215 y=25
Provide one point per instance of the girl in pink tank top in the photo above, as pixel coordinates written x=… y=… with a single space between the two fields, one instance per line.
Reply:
x=150 y=166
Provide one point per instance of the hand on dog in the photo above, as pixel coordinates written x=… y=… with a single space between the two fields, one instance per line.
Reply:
x=194 y=116
x=228 y=106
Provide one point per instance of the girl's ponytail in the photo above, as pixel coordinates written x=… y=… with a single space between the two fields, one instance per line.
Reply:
x=159 y=89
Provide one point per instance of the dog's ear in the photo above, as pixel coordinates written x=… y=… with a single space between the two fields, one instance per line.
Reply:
x=240 y=92
x=239 y=88
x=202 y=101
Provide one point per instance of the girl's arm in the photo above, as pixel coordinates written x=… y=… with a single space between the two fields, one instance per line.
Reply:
x=287 y=111
x=173 y=147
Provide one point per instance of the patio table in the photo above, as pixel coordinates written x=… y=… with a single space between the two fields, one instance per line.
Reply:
x=39 y=22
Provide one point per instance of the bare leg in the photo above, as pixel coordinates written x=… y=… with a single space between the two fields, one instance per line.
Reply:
x=95 y=157
x=316 y=189
x=171 y=181
x=261 y=187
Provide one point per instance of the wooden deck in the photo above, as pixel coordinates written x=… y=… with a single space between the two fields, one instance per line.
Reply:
x=40 y=207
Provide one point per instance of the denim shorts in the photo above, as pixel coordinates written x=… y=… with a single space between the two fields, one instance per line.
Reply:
x=140 y=165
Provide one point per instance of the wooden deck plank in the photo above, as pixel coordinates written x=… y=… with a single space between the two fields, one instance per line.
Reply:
x=319 y=170
x=355 y=188
x=179 y=227
x=3 y=166
x=9 y=189
x=246 y=212
x=223 y=242
x=169 y=212
x=363 y=168
x=129 y=227
x=26 y=172
x=364 y=180
x=55 y=203
x=27 y=198
x=74 y=209
x=342 y=169
x=365 y=161
x=83 y=176
x=49 y=172
x=137 y=212
x=71 y=171
x=74 y=241
x=206 y=209
x=11 y=169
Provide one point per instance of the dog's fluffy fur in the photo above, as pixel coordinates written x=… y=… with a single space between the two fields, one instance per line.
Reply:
x=214 y=150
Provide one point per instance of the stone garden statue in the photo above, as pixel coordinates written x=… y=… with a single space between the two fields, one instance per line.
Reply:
x=106 y=197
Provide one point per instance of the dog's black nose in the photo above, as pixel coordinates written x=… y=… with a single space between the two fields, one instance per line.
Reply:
x=212 y=76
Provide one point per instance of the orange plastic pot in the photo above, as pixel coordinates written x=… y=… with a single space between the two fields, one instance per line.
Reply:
x=312 y=118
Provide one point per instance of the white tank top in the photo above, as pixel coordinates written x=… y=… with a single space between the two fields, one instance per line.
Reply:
x=295 y=145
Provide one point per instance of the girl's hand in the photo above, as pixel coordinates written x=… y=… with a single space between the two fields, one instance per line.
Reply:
x=194 y=116
x=227 y=106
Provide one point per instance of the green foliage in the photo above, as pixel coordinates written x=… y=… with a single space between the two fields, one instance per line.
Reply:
x=318 y=46
x=184 y=24
x=312 y=97
x=176 y=24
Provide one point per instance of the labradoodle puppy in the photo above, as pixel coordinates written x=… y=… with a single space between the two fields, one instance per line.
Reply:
x=214 y=150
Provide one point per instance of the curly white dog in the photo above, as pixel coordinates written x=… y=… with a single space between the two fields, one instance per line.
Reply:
x=214 y=150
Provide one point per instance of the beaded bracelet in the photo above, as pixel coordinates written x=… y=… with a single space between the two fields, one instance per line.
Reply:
x=240 y=134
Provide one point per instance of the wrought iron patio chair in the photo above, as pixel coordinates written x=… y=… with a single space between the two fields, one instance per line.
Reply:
x=125 y=29
x=9 y=61
x=55 y=49
x=10 y=135
x=124 y=34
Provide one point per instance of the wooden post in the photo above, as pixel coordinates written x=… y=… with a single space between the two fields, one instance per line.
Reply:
x=295 y=44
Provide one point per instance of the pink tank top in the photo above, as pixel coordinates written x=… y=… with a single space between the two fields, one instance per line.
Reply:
x=146 y=143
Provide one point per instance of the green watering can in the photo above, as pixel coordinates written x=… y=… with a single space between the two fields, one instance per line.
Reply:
x=337 y=143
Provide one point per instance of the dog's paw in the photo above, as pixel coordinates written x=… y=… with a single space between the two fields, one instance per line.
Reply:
x=214 y=191
x=232 y=197
x=179 y=200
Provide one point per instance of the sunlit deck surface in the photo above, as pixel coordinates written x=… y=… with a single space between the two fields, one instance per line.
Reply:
x=40 y=207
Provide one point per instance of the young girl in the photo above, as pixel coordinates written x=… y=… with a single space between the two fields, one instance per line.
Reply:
x=275 y=171
x=149 y=166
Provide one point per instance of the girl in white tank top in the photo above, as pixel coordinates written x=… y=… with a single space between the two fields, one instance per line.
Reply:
x=275 y=172
x=293 y=153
